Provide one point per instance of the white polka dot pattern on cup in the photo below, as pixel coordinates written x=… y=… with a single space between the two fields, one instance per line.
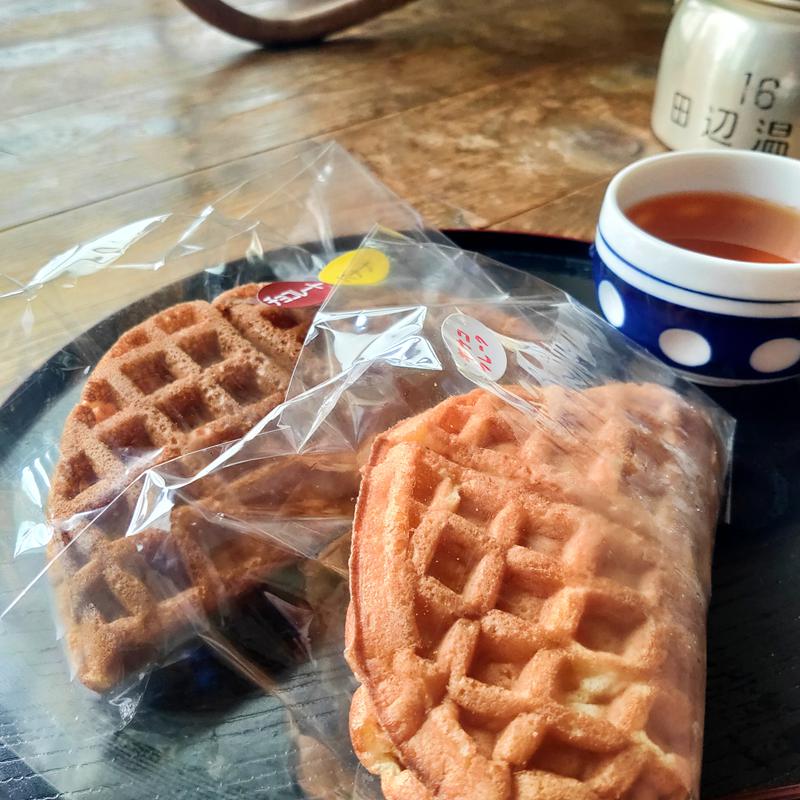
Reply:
x=775 y=355
x=611 y=303
x=685 y=347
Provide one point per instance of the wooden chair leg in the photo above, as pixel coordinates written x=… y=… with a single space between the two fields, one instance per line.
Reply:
x=314 y=25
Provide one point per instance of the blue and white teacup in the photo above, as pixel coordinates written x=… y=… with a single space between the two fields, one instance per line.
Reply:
x=718 y=321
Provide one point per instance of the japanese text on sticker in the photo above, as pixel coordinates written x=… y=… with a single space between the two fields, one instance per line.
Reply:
x=476 y=349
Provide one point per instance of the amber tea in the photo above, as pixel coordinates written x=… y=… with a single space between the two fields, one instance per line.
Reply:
x=720 y=224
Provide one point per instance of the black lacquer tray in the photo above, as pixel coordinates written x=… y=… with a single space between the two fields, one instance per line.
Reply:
x=752 y=738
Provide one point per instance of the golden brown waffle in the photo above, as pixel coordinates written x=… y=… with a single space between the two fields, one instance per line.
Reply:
x=125 y=602
x=131 y=600
x=194 y=375
x=279 y=333
x=528 y=596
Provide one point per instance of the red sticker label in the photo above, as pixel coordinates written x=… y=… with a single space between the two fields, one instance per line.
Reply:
x=294 y=294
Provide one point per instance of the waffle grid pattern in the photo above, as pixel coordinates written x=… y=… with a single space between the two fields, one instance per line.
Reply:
x=128 y=601
x=183 y=380
x=138 y=597
x=552 y=651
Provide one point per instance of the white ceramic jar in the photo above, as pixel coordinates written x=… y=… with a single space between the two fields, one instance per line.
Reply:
x=730 y=77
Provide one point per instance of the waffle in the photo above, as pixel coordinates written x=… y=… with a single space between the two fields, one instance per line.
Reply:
x=128 y=601
x=279 y=333
x=528 y=593
x=194 y=375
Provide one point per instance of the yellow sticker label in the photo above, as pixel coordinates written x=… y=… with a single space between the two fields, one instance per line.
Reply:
x=363 y=267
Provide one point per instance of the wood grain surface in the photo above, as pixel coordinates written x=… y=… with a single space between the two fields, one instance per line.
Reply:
x=479 y=114
x=511 y=115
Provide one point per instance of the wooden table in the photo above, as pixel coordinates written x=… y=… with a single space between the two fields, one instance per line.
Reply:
x=510 y=115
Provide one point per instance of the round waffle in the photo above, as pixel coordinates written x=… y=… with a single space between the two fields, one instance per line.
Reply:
x=529 y=580
x=195 y=375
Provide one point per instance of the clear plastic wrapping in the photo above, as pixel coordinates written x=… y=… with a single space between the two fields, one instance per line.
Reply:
x=202 y=609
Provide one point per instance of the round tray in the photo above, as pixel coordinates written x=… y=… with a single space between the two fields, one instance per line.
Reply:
x=752 y=737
